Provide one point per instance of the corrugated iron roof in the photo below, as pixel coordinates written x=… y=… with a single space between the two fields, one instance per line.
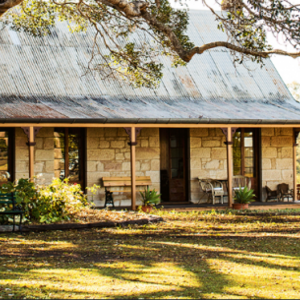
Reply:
x=42 y=79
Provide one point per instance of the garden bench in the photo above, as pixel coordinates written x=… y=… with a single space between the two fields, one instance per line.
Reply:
x=112 y=182
x=9 y=199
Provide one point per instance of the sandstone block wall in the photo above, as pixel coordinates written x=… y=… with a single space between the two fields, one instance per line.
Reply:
x=108 y=155
x=277 y=157
x=208 y=158
x=44 y=154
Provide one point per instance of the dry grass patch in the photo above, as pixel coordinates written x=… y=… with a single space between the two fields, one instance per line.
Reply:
x=198 y=257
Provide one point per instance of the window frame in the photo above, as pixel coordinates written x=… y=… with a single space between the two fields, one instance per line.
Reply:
x=11 y=153
x=82 y=154
x=255 y=151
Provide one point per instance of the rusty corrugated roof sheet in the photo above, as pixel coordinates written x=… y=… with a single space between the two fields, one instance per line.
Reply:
x=41 y=79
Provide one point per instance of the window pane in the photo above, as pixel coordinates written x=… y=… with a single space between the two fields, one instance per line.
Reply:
x=66 y=151
x=4 y=168
x=173 y=142
x=248 y=152
x=174 y=173
x=74 y=142
x=237 y=154
x=249 y=172
x=248 y=163
x=59 y=154
x=248 y=142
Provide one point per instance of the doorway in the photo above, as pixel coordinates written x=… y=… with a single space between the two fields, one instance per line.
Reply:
x=174 y=164
x=246 y=156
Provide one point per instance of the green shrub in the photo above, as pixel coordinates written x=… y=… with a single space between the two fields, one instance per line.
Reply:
x=56 y=202
x=150 y=197
x=244 y=195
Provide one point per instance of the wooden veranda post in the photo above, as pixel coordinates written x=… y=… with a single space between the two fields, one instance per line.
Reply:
x=296 y=133
x=132 y=164
x=31 y=132
x=229 y=132
x=229 y=167
x=31 y=145
x=133 y=133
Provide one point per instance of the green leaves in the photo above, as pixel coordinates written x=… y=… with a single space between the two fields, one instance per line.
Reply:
x=150 y=197
x=38 y=17
x=48 y=203
x=244 y=195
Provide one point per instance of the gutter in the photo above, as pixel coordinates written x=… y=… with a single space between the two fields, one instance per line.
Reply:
x=146 y=121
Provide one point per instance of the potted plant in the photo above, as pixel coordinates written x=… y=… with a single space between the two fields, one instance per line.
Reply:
x=149 y=198
x=243 y=196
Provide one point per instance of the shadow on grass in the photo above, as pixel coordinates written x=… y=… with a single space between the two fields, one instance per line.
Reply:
x=101 y=253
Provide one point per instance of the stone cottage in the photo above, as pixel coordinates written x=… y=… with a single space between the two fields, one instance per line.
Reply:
x=210 y=119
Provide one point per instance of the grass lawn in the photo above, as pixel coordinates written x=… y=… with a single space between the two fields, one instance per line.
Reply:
x=192 y=255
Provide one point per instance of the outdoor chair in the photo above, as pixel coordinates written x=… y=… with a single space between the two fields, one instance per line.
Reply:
x=298 y=192
x=272 y=195
x=285 y=192
x=240 y=181
x=212 y=188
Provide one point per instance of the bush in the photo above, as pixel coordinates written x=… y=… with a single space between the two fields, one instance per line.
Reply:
x=56 y=202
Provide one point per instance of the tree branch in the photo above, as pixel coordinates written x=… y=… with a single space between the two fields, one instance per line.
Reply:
x=264 y=54
x=6 y=5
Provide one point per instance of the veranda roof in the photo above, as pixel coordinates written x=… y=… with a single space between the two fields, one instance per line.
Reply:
x=42 y=80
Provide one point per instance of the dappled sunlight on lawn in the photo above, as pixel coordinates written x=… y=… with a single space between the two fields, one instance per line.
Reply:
x=176 y=259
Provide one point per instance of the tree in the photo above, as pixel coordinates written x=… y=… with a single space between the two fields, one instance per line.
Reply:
x=115 y=21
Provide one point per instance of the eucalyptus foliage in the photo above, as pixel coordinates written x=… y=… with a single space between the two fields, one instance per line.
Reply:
x=161 y=31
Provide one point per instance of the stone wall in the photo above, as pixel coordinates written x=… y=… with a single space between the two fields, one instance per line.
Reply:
x=108 y=155
x=208 y=157
x=44 y=154
x=277 y=157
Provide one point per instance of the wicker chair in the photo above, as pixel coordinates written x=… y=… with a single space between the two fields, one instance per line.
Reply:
x=212 y=188
x=272 y=195
x=240 y=181
x=285 y=192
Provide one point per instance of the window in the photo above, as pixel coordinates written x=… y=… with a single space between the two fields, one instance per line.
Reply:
x=6 y=155
x=243 y=153
x=69 y=154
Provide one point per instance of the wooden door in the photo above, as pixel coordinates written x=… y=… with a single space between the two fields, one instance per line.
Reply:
x=245 y=156
x=173 y=167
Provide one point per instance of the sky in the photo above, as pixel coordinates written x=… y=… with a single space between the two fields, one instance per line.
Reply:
x=288 y=68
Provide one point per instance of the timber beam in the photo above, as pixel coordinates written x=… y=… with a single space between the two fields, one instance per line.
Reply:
x=229 y=132
x=132 y=132
x=31 y=133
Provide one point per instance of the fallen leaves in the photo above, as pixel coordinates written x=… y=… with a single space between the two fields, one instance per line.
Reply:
x=217 y=257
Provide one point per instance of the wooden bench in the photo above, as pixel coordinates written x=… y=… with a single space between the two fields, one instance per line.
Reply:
x=9 y=199
x=112 y=182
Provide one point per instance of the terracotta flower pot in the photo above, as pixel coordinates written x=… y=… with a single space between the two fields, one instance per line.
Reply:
x=240 y=206
x=147 y=208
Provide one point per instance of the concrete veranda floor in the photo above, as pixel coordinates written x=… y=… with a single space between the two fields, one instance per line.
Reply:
x=252 y=206
x=190 y=206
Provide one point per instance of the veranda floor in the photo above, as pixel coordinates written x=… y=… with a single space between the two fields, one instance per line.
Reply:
x=252 y=206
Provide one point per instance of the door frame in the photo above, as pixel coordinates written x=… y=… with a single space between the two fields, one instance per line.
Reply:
x=187 y=174
x=257 y=148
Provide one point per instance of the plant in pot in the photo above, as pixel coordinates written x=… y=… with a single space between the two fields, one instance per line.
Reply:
x=243 y=196
x=149 y=198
